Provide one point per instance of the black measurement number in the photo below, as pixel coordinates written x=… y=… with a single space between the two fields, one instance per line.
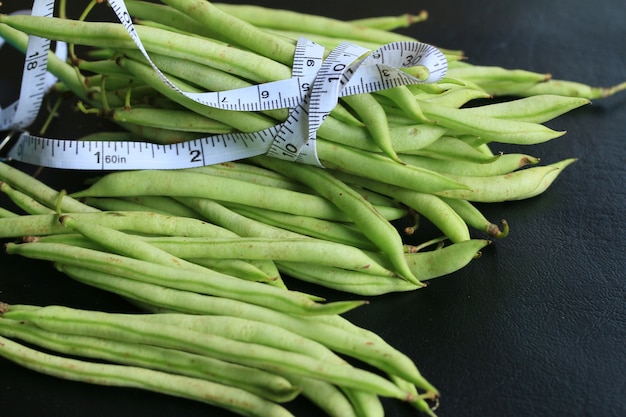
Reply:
x=110 y=159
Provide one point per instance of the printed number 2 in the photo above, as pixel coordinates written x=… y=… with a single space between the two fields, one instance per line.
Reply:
x=195 y=155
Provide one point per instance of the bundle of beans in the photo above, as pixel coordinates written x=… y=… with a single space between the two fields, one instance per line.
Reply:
x=208 y=248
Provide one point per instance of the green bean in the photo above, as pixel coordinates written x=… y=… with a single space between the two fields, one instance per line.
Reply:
x=549 y=178
x=403 y=138
x=455 y=97
x=391 y=22
x=572 y=89
x=450 y=147
x=517 y=185
x=314 y=250
x=157 y=135
x=366 y=404
x=365 y=216
x=373 y=116
x=39 y=191
x=440 y=262
x=23 y=201
x=349 y=281
x=193 y=184
x=402 y=97
x=127 y=244
x=428 y=205
x=182 y=120
x=242 y=269
x=166 y=204
x=501 y=164
x=207 y=282
x=380 y=168
x=534 y=109
x=235 y=30
x=243 y=121
x=489 y=128
x=335 y=332
x=301 y=22
x=229 y=219
x=234 y=399
x=475 y=218
x=103 y=34
x=98 y=324
x=167 y=16
x=139 y=222
x=309 y=226
x=5 y=213
x=63 y=71
x=252 y=174
x=234 y=267
x=200 y=75
x=119 y=204
x=256 y=381
x=489 y=74
x=325 y=395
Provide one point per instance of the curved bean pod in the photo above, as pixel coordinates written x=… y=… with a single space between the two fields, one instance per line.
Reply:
x=533 y=109
x=309 y=226
x=380 y=168
x=382 y=233
x=517 y=185
x=428 y=205
x=474 y=218
x=489 y=128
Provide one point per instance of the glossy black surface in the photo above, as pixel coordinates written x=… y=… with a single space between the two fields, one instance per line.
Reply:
x=536 y=327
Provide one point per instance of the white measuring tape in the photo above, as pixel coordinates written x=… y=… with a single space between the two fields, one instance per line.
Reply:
x=310 y=94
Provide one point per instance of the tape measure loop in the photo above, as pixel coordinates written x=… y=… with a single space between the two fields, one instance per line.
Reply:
x=311 y=94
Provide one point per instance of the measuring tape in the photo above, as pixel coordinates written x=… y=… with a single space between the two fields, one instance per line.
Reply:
x=310 y=94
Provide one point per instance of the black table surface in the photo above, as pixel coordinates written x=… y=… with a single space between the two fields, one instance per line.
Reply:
x=536 y=327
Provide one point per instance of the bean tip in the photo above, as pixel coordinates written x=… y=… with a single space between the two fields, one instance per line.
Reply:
x=4 y=307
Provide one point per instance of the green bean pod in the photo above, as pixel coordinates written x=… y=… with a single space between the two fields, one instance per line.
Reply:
x=517 y=185
x=380 y=231
x=99 y=324
x=215 y=284
x=234 y=399
x=254 y=380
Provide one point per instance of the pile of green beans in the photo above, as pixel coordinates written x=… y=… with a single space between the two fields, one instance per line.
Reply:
x=212 y=254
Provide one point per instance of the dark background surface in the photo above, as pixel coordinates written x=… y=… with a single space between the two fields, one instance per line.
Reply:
x=537 y=326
